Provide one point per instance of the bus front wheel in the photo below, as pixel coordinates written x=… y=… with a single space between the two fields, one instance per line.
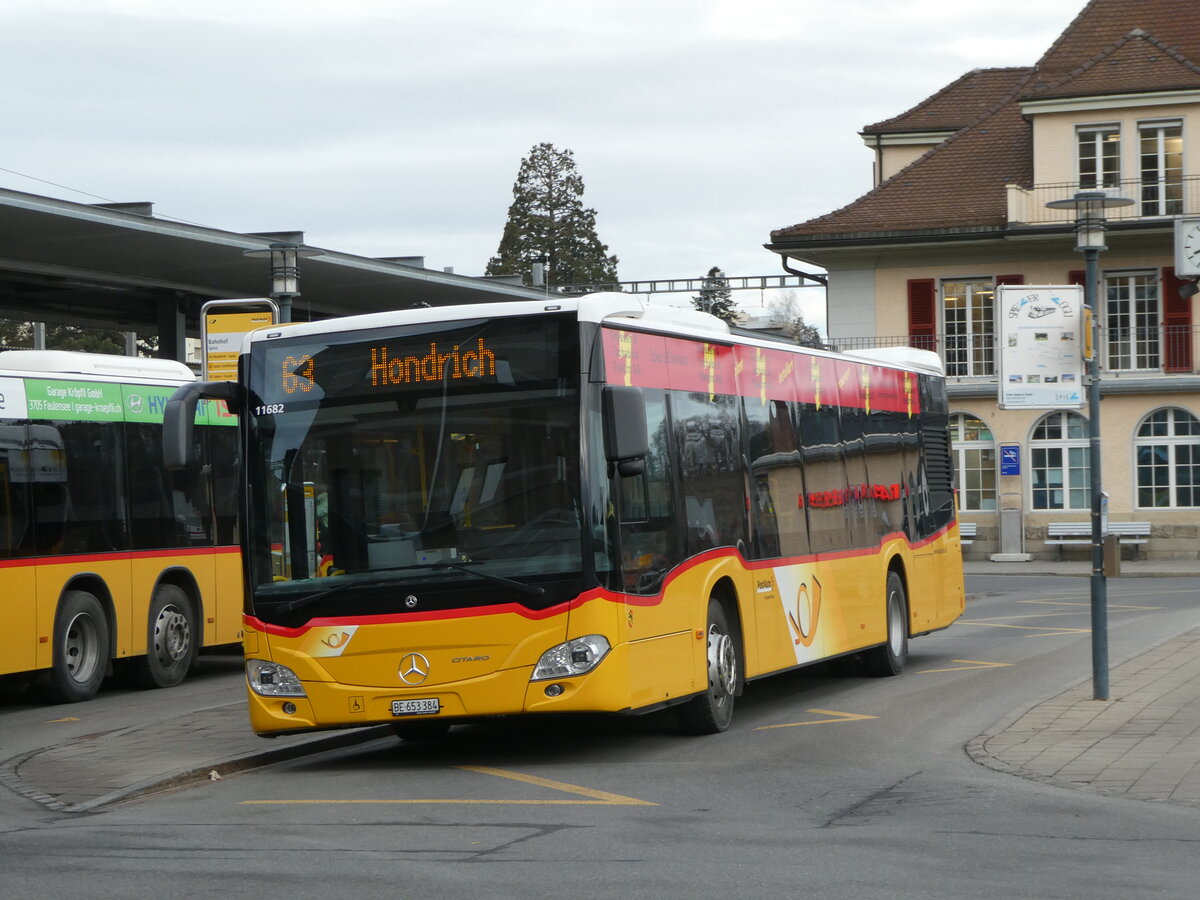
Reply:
x=81 y=648
x=712 y=711
x=170 y=638
x=889 y=659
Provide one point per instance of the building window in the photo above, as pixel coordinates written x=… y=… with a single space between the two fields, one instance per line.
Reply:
x=974 y=463
x=1160 y=152
x=1167 y=448
x=1132 y=320
x=1059 y=462
x=970 y=327
x=1099 y=156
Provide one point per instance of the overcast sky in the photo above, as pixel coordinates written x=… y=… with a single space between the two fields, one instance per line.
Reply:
x=394 y=128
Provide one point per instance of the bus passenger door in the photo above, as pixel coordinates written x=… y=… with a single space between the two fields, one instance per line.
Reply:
x=657 y=627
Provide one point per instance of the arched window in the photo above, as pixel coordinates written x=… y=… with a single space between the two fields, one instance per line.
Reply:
x=1059 y=462
x=1167 y=447
x=974 y=463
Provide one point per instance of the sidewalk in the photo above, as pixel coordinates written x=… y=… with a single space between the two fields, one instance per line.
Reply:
x=106 y=768
x=1130 y=568
x=1143 y=743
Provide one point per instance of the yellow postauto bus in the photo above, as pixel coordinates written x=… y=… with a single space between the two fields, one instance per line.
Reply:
x=107 y=560
x=581 y=505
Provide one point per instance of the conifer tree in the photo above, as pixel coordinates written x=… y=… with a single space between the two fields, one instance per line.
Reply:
x=548 y=223
x=716 y=298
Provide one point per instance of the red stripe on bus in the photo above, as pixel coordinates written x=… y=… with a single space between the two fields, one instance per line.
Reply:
x=640 y=359
x=587 y=596
x=114 y=556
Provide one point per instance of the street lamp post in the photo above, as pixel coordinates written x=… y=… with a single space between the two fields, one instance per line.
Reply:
x=1090 y=209
x=285 y=273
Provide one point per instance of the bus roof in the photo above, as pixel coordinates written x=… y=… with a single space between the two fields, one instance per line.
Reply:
x=606 y=307
x=904 y=357
x=73 y=362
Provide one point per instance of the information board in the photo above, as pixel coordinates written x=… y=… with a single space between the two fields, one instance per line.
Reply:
x=1041 y=346
x=224 y=324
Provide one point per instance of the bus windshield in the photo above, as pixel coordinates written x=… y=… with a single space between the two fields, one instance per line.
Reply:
x=432 y=455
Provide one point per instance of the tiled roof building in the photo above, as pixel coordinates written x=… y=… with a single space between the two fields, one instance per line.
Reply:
x=958 y=212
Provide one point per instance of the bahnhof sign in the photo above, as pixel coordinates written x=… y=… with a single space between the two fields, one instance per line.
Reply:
x=118 y=266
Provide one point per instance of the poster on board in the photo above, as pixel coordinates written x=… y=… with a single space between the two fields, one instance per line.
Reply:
x=223 y=325
x=1041 y=346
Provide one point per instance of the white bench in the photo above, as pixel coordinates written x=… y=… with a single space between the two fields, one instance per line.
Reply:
x=1080 y=533
x=966 y=532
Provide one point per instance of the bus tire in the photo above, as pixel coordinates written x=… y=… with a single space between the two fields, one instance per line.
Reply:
x=890 y=657
x=712 y=711
x=81 y=648
x=170 y=638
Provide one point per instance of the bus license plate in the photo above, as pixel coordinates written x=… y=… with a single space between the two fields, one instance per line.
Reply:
x=423 y=707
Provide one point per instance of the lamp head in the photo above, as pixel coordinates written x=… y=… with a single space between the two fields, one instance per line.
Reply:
x=1090 y=208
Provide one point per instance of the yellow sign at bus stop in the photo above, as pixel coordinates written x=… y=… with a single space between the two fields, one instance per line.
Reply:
x=223 y=333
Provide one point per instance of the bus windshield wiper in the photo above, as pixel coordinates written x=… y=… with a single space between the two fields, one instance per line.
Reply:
x=308 y=599
x=533 y=590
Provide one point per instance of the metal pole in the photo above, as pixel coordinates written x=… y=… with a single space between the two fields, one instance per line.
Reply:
x=284 y=302
x=1099 y=585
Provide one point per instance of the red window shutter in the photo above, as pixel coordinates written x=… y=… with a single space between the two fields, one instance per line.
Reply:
x=1077 y=276
x=922 y=313
x=1007 y=279
x=1177 y=324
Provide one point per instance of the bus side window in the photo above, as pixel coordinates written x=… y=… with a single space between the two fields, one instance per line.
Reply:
x=14 y=501
x=824 y=475
x=78 y=512
x=709 y=462
x=223 y=460
x=646 y=506
x=776 y=480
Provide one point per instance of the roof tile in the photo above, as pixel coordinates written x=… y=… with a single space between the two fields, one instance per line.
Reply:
x=1112 y=46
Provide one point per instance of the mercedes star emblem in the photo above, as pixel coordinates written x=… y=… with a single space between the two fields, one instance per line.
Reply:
x=414 y=668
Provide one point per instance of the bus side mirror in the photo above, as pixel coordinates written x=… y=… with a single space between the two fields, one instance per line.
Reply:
x=626 y=441
x=179 y=418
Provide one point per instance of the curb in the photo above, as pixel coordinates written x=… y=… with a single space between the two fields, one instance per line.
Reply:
x=10 y=778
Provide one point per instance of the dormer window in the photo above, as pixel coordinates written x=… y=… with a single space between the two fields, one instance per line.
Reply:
x=1099 y=156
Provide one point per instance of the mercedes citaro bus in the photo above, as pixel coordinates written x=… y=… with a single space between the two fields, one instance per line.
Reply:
x=580 y=505
x=108 y=560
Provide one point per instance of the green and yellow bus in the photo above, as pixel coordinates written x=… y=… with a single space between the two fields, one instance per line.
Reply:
x=108 y=560
x=582 y=505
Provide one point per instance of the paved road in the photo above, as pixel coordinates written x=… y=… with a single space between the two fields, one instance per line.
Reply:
x=828 y=785
x=1143 y=743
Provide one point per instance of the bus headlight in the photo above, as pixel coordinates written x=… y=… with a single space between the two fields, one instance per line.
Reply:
x=575 y=657
x=270 y=679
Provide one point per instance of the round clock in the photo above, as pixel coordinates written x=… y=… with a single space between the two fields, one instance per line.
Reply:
x=1187 y=246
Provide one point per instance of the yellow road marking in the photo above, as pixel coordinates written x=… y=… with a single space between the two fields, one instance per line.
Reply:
x=969 y=664
x=597 y=798
x=837 y=717
x=1044 y=631
x=1046 y=615
x=60 y=721
x=602 y=796
x=1086 y=604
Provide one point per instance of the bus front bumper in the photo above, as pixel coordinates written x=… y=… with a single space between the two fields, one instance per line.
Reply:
x=328 y=705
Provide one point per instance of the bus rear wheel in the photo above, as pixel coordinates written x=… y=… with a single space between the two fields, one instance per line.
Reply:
x=889 y=659
x=170 y=638
x=81 y=648
x=712 y=711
